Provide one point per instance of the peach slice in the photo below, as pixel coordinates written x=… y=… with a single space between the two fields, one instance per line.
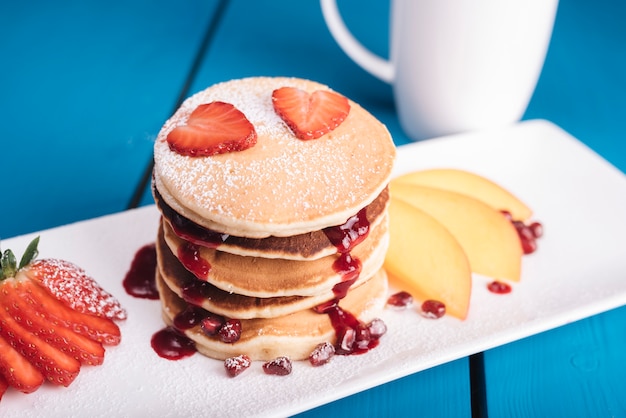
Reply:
x=425 y=260
x=488 y=238
x=470 y=184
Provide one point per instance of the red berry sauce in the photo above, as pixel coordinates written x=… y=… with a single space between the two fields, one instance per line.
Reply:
x=172 y=344
x=189 y=256
x=353 y=336
x=140 y=278
x=189 y=318
x=345 y=237
x=189 y=230
x=349 y=268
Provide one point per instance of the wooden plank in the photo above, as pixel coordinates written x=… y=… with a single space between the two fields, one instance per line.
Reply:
x=437 y=392
x=85 y=88
x=575 y=370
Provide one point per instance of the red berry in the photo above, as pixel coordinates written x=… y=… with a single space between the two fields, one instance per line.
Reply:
x=211 y=129
x=433 y=309
x=537 y=229
x=71 y=285
x=400 y=300
x=280 y=366
x=529 y=246
x=377 y=328
x=362 y=337
x=499 y=287
x=236 y=365
x=211 y=324
x=310 y=115
x=507 y=215
x=230 y=332
x=322 y=354
x=345 y=341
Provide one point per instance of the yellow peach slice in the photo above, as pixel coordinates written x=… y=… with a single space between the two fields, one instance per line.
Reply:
x=470 y=184
x=488 y=238
x=425 y=260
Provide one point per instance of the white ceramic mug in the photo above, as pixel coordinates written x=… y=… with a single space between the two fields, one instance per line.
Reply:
x=457 y=65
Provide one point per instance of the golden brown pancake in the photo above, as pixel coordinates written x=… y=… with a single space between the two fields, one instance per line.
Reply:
x=267 y=277
x=254 y=225
x=294 y=335
x=308 y=246
x=282 y=186
x=221 y=302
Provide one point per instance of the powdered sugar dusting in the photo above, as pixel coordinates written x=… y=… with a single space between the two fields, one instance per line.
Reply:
x=71 y=285
x=282 y=180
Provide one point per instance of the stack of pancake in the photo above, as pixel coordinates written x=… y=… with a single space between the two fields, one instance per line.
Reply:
x=250 y=234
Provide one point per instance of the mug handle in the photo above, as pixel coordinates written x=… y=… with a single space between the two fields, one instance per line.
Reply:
x=375 y=65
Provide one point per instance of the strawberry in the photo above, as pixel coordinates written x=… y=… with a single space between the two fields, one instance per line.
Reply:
x=310 y=115
x=53 y=318
x=211 y=129
x=100 y=329
x=54 y=365
x=72 y=286
x=4 y=385
x=16 y=371
x=36 y=321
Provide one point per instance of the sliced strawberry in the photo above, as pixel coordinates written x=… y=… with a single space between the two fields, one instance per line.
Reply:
x=4 y=385
x=211 y=129
x=83 y=349
x=56 y=366
x=100 y=329
x=310 y=115
x=16 y=371
x=71 y=285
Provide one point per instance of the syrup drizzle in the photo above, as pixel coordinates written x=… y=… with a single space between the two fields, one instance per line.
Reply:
x=347 y=236
x=353 y=336
x=140 y=278
x=189 y=256
x=172 y=344
x=191 y=231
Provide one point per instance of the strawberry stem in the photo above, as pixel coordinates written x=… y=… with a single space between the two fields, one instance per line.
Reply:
x=30 y=253
x=8 y=262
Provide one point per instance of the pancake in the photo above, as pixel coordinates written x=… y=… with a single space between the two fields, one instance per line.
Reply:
x=282 y=186
x=308 y=246
x=294 y=335
x=266 y=277
x=182 y=282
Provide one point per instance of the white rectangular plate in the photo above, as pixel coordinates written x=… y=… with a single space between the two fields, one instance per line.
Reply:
x=577 y=272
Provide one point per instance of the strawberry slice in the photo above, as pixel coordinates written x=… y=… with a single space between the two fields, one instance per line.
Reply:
x=45 y=338
x=56 y=366
x=16 y=371
x=83 y=349
x=71 y=285
x=97 y=328
x=4 y=385
x=310 y=115
x=211 y=129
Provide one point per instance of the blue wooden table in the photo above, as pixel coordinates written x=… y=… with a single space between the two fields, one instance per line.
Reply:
x=85 y=87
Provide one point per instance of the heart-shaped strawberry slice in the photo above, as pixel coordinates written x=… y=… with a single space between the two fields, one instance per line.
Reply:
x=211 y=129
x=310 y=115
